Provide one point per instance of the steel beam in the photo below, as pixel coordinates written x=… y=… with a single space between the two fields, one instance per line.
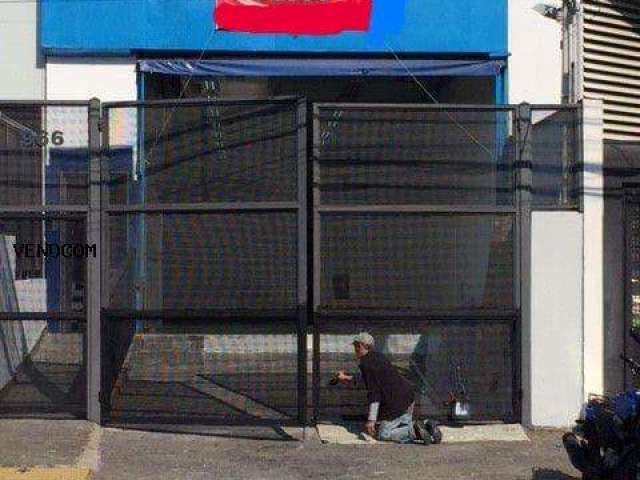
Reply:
x=93 y=267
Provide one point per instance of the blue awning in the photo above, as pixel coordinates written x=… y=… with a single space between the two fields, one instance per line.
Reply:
x=315 y=67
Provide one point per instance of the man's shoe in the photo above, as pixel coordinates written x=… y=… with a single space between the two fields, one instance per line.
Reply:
x=434 y=431
x=421 y=432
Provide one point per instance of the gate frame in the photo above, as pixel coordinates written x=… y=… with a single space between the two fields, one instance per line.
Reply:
x=520 y=208
x=102 y=314
x=523 y=132
x=94 y=282
x=45 y=212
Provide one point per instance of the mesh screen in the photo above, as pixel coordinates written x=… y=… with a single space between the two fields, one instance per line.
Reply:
x=427 y=353
x=403 y=155
x=393 y=261
x=203 y=153
x=632 y=280
x=42 y=371
x=193 y=363
x=43 y=155
x=227 y=373
x=195 y=261
x=554 y=142
x=43 y=264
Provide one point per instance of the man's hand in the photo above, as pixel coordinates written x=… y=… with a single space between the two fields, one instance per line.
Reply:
x=343 y=378
x=370 y=428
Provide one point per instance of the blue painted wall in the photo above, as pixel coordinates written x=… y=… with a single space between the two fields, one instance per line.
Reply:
x=460 y=27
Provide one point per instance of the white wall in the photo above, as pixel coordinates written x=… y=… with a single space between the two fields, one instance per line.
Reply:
x=109 y=79
x=535 y=65
x=22 y=76
x=593 y=203
x=556 y=318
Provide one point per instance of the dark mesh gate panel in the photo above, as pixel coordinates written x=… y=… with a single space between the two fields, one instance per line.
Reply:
x=427 y=353
x=415 y=242
x=194 y=153
x=202 y=371
x=205 y=305
x=42 y=316
x=230 y=261
x=43 y=259
x=43 y=154
x=207 y=261
x=391 y=261
x=554 y=143
x=50 y=380
x=411 y=155
x=632 y=280
x=21 y=176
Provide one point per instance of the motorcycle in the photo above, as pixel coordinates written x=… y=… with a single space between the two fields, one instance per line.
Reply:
x=605 y=443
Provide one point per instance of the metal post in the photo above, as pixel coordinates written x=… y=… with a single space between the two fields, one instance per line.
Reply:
x=316 y=368
x=107 y=331
x=627 y=205
x=501 y=86
x=316 y=262
x=303 y=303
x=524 y=191
x=139 y=241
x=94 y=306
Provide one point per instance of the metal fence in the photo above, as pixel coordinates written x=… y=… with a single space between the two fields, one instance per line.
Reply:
x=44 y=160
x=223 y=253
x=555 y=151
x=204 y=262
x=414 y=221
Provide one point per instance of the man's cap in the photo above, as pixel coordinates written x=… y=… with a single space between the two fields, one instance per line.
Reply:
x=364 y=338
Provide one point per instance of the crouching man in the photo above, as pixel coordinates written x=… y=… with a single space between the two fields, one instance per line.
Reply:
x=390 y=396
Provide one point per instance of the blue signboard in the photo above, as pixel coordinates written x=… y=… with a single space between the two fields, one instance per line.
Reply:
x=425 y=27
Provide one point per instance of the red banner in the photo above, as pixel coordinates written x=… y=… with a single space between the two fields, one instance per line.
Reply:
x=295 y=17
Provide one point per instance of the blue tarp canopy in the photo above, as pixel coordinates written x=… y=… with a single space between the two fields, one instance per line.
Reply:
x=314 y=67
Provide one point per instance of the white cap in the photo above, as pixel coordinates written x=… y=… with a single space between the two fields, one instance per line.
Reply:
x=364 y=338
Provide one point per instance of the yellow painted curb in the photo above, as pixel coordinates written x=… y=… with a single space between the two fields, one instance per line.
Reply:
x=37 y=473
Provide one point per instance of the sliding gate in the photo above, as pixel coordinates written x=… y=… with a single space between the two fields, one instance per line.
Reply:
x=204 y=262
x=415 y=223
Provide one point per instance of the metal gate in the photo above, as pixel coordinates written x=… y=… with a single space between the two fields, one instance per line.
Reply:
x=204 y=262
x=43 y=258
x=415 y=240
x=632 y=278
x=224 y=243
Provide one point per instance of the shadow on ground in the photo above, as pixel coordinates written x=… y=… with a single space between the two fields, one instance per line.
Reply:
x=264 y=433
x=549 y=474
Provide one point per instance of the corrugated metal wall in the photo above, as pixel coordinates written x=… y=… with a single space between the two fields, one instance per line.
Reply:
x=611 y=43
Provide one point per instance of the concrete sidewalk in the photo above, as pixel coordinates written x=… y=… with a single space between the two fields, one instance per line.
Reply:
x=350 y=433
x=267 y=453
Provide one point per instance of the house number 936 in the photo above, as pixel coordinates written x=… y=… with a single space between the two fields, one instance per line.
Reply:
x=41 y=139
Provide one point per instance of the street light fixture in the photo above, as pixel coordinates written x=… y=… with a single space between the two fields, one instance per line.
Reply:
x=549 y=11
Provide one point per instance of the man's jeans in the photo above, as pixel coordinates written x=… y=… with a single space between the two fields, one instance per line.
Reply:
x=399 y=430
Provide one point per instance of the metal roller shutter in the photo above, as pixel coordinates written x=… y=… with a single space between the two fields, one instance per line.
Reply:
x=611 y=43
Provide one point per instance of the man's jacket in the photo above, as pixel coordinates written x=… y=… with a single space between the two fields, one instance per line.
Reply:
x=385 y=385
